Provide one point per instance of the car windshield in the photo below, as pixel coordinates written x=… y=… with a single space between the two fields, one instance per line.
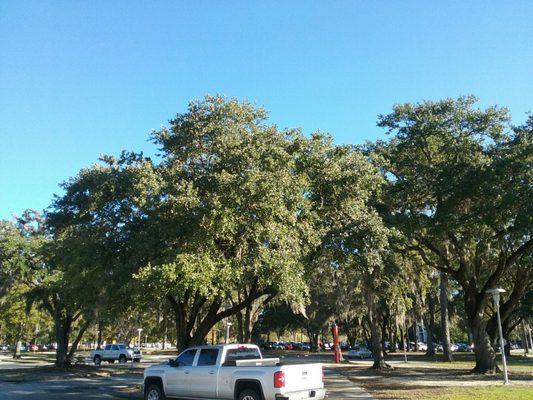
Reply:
x=243 y=353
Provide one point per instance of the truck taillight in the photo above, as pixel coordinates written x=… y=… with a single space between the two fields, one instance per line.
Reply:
x=279 y=379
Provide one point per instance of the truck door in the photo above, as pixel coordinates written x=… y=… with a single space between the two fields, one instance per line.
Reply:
x=204 y=375
x=178 y=381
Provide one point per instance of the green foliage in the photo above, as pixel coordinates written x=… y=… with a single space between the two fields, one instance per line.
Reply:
x=459 y=189
x=231 y=203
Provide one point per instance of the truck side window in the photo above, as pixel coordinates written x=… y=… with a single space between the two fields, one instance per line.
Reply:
x=107 y=347
x=186 y=359
x=207 y=357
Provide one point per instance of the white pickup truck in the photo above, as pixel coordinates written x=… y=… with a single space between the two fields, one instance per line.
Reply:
x=115 y=352
x=232 y=372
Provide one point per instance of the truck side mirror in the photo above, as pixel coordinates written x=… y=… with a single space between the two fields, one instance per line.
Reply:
x=173 y=363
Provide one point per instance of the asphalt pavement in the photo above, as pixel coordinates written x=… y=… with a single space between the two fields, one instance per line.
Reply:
x=126 y=385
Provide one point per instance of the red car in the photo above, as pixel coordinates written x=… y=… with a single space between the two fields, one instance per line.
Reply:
x=34 y=347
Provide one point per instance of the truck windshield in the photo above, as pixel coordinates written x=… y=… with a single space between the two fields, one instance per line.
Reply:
x=244 y=353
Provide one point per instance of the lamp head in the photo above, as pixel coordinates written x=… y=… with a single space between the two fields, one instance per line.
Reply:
x=495 y=292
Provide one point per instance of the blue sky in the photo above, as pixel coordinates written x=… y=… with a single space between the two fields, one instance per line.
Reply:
x=80 y=79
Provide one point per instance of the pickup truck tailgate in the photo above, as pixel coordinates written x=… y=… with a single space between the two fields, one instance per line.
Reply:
x=302 y=377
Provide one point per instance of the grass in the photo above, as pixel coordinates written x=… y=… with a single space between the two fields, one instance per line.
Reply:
x=485 y=393
x=425 y=377
x=491 y=393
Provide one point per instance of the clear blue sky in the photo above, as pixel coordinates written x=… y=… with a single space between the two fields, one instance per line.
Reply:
x=83 y=78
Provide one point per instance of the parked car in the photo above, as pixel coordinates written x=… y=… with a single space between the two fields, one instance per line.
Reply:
x=115 y=352
x=268 y=345
x=422 y=346
x=34 y=347
x=438 y=347
x=278 y=346
x=464 y=347
x=361 y=352
x=234 y=371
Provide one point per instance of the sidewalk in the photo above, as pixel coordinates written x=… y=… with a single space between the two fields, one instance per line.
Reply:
x=339 y=387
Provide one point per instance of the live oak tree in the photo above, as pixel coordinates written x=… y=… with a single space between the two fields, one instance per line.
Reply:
x=352 y=249
x=20 y=262
x=95 y=241
x=461 y=184
x=230 y=214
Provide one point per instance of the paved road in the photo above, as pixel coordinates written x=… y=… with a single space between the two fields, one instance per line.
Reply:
x=125 y=386
x=122 y=387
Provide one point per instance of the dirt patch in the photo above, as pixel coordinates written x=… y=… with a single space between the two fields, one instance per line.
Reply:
x=54 y=373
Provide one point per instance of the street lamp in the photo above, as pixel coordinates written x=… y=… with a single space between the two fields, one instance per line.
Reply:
x=496 y=298
x=139 y=330
x=228 y=324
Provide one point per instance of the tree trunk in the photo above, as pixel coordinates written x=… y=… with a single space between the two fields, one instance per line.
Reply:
x=62 y=336
x=240 y=327
x=74 y=346
x=485 y=355
x=100 y=334
x=18 y=343
x=375 y=333
x=525 y=341
x=313 y=341
x=197 y=315
x=247 y=323
x=383 y=337
x=444 y=320
x=430 y=323
x=415 y=331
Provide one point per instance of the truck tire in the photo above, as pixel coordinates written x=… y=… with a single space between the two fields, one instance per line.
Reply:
x=154 y=392
x=122 y=359
x=249 y=394
x=97 y=360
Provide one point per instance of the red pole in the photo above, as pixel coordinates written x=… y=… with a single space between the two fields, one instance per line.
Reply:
x=336 y=347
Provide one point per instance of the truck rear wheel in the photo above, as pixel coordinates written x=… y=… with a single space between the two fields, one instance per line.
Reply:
x=122 y=359
x=154 y=392
x=249 y=394
x=97 y=360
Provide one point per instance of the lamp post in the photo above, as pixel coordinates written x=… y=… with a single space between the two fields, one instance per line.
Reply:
x=228 y=324
x=139 y=330
x=496 y=298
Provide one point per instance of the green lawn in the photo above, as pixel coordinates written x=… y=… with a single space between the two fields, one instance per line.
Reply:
x=425 y=377
x=488 y=393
